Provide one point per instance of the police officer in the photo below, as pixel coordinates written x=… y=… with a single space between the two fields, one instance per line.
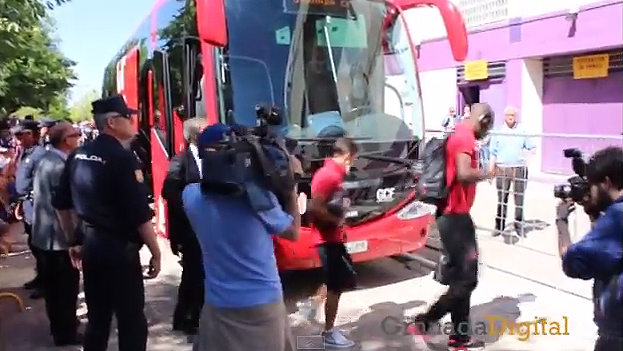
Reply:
x=103 y=185
x=27 y=133
x=45 y=124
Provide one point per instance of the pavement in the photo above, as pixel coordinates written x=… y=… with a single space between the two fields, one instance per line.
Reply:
x=520 y=282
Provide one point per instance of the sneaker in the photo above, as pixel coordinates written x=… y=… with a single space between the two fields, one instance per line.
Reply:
x=470 y=345
x=336 y=340
x=308 y=309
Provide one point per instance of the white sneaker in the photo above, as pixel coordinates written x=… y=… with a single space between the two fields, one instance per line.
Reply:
x=335 y=339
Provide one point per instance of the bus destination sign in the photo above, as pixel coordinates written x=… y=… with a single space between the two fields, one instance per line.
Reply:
x=336 y=8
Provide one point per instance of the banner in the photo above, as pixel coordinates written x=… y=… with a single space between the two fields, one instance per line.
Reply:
x=591 y=66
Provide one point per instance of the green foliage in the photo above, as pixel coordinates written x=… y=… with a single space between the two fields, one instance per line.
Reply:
x=33 y=72
x=81 y=109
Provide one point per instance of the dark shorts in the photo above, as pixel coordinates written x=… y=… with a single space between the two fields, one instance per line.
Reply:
x=337 y=265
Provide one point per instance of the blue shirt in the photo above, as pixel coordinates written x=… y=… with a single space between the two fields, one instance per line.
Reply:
x=237 y=247
x=508 y=148
x=599 y=256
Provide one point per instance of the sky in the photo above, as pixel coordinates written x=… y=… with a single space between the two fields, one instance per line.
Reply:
x=92 y=31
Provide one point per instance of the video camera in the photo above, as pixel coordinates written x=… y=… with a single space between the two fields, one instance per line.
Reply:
x=253 y=161
x=577 y=188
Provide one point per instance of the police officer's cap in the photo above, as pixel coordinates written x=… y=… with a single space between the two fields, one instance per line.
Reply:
x=213 y=135
x=47 y=122
x=114 y=103
x=25 y=126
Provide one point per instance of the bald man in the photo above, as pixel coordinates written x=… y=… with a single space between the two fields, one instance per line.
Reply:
x=59 y=278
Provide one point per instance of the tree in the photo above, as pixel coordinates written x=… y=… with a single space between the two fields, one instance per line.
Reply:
x=81 y=109
x=33 y=72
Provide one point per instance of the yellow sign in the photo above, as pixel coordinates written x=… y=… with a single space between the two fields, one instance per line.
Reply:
x=476 y=70
x=591 y=66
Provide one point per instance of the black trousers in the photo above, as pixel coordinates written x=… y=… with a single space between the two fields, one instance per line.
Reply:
x=458 y=236
x=113 y=284
x=190 y=293
x=36 y=252
x=609 y=343
x=60 y=282
x=518 y=178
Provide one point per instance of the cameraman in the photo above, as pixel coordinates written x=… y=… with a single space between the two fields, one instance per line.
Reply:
x=244 y=307
x=599 y=254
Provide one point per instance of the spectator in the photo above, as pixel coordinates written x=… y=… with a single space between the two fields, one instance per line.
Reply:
x=466 y=111
x=60 y=279
x=449 y=120
x=511 y=150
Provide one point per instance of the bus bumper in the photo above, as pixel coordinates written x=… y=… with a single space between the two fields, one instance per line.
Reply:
x=400 y=232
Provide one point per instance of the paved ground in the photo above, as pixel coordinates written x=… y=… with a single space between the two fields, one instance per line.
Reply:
x=520 y=282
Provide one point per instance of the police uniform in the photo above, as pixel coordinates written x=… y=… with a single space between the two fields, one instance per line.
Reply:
x=103 y=184
x=24 y=176
x=46 y=123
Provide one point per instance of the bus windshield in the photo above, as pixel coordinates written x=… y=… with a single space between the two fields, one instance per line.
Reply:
x=328 y=64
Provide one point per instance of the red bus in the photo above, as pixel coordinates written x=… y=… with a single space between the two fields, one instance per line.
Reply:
x=345 y=65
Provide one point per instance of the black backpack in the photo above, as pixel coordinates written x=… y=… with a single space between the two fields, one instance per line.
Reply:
x=432 y=187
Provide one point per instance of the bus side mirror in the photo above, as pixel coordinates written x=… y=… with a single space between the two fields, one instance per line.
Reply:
x=211 y=22
x=452 y=19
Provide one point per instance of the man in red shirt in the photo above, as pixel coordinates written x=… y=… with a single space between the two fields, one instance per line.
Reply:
x=328 y=204
x=457 y=230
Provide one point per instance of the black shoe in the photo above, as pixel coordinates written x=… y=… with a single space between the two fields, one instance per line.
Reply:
x=470 y=345
x=76 y=340
x=519 y=229
x=36 y=295
x=190 y=331
x=33 y=284
x=499 y=228
x=420 y=326
x=187 y=327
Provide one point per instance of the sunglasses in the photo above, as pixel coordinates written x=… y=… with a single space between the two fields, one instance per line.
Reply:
x=72 y=135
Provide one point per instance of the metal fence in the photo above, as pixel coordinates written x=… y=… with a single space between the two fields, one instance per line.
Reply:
x=518 y=206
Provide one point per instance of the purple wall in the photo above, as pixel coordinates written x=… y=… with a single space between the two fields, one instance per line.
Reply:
x=545 y=35
x=495 y=95
x=596 y=106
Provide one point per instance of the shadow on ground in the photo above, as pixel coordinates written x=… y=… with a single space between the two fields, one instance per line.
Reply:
x=300 y=285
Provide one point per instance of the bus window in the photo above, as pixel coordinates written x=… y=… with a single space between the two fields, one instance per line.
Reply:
x=158 y=102
x=175 y=55
x=200 y=103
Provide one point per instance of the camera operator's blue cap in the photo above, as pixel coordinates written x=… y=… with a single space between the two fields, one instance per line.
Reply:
x=213 y=135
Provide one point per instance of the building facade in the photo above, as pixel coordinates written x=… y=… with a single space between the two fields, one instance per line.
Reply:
x=559 y=62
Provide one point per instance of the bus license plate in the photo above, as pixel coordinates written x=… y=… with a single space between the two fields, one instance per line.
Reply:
x=357 y=246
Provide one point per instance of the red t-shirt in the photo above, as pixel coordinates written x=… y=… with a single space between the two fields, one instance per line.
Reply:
x=461 y=197
x=327 y=182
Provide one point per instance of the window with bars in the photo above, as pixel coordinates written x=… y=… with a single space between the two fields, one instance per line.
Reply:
x=482 y=12
x=562 y=66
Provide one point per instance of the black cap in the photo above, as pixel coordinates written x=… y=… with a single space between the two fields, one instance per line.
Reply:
x=25 y=125
x=114 y=103
x=47 y=122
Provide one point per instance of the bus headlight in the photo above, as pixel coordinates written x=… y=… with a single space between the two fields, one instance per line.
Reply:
x=416 y=209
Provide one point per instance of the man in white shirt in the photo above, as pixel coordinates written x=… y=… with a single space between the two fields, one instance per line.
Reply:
x=184 y=169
